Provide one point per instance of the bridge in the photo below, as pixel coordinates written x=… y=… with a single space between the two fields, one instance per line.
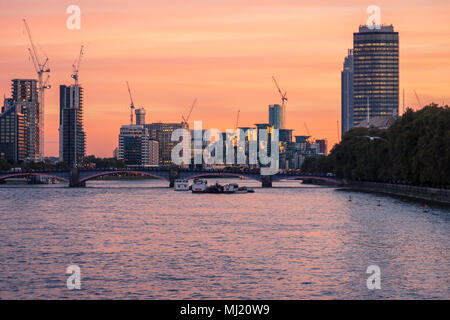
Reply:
x=77 y=177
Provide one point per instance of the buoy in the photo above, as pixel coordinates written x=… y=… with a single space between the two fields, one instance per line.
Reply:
x=379 y=202
x=350 y=198
x=425 y=208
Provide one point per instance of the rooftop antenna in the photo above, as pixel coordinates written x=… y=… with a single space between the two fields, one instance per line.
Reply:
x=41 y=68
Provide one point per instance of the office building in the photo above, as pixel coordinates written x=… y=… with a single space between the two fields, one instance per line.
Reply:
x=136 y=148
x=322 y=147
x=25 y=93
x=375 y=73
x=72 y=138
x=276 y=116
x=347 y=93
x=13 y=132
x=162 y=132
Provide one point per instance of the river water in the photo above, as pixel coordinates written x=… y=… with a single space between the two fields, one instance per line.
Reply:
x=140 y=239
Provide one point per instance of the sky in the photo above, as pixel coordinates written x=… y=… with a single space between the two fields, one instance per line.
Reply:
x=223 y=52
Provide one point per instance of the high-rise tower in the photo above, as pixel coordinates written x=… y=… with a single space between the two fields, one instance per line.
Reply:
x=376 y=73
x=347 y=93
x=72 y=138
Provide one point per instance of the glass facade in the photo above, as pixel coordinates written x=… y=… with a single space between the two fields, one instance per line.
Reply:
x=347 y=93
x=72 y=138
x=376 y=73
x=275 y=116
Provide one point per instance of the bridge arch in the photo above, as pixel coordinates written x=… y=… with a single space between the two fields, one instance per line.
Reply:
x=222 y=174
x=300 y=177
x=27 y=174
x=136 y=172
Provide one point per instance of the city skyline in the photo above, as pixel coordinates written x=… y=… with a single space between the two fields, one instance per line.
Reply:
x=173 y=61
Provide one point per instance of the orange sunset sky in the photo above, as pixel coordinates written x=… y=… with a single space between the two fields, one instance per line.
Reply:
x=222 y=52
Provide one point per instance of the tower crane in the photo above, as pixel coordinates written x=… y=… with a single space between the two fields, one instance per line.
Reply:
x=40 y=68
x=131 y=105
x=237 y=119
x=310 y=139
x=283 y=103
x=76 y=66
x=185 y=120
x=418 y=100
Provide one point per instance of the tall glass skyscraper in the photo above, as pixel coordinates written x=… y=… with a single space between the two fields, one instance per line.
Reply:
x=376 y=73
x=347 y=93
x=276 y=116
x=72 y=138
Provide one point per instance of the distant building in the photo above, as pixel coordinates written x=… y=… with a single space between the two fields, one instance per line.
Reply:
x=72 y=137
x=378 y=122
x=24 y=92
x=140 y=116
x=375 y=73
x=322 y=147
x=347 y=93
x=136 y=148
x=19 y=128
x=13 y=133
x=116 y=153
x=162 y=132
x=285 y=135
x=276 y=116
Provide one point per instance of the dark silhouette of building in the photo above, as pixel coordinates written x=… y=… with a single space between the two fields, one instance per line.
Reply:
x=72 y=138
x=347 y=93
x=13 y=132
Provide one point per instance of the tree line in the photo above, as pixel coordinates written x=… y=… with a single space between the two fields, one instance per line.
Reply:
x=414 y=150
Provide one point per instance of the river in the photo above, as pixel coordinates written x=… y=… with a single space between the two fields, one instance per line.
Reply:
x=142 y=240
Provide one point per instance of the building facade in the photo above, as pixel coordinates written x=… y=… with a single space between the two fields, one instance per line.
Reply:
x=347 y=93
x=322 y=147
x=72 y=137
x=375 y=73
x=162 y=132
x=13 y=133
x=276 y=116
x=136 y=148
x=19 y=124
x=25 y=93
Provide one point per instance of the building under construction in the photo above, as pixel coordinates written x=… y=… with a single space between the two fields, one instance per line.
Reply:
x=19 y=123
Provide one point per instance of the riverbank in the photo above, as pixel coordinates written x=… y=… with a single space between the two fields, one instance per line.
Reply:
x=441 y=196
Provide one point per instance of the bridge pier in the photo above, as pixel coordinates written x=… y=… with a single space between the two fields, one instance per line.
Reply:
x=173 y=175
x=74 y=181
x=266 y=181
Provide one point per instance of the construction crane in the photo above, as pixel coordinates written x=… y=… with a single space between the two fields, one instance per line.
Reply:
x=237 y=119
x=131 y=105
x=185 y=120
x=76 y=66
x=283 y=103
x=40 y=69
x=310 y=139
x=418 y=100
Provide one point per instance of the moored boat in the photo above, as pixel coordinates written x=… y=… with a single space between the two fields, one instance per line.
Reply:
x=230 y=188
x=199 y=186
x=181 y=185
